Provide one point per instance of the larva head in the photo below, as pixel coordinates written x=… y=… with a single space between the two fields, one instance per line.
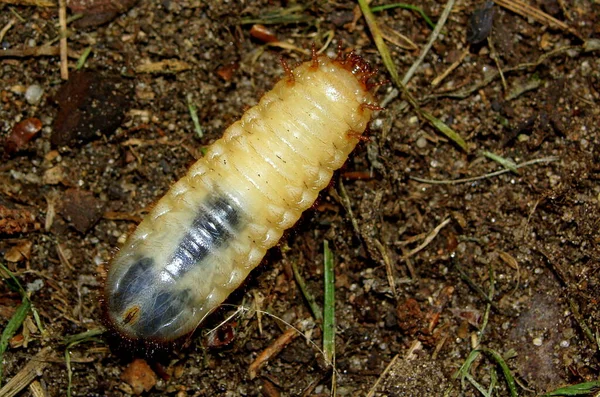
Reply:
x=358 y=66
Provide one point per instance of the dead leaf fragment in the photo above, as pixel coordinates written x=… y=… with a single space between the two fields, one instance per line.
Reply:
x=81 y=209
x=262 y=33
x=91 y=105
x=21 y=134
x=54 y=175
x=19 y=252
x=98 y=12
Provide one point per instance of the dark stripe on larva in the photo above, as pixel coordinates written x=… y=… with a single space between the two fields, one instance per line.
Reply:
x=214 y=225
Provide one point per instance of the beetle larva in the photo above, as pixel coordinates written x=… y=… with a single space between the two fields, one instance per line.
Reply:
x=216 y=223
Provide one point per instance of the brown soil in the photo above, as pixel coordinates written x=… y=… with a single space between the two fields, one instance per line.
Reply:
x=518 y=257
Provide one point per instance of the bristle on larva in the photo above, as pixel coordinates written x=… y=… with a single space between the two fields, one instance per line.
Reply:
x=216 y=223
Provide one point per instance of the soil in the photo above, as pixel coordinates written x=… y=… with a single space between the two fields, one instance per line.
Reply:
x=425 y=272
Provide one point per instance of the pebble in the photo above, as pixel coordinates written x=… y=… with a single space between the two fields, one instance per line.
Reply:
x=33 y=94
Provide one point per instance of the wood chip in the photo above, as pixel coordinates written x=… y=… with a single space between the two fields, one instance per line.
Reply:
x=271 y=351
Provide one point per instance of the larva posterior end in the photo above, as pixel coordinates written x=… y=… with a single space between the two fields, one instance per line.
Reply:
x=130 y=347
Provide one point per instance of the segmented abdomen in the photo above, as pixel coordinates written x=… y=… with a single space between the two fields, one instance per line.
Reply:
x=215 y=224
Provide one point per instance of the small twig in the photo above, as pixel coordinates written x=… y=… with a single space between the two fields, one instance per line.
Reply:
x=450 y=69
x=389 y=271
x=383 y=375
x=284 y=339
x=62 y=19
x=41 y=51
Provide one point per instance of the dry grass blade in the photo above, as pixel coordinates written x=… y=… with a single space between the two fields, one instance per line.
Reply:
x=432 y=38
x=381 y=46
x=37 y=3
x=27 y=374
x=389 y=270
x=528 y=11
x=429 y=238
x=490 y=175
x=41 y=51
x=7 y=27
x=382 y=376
x=391 y=67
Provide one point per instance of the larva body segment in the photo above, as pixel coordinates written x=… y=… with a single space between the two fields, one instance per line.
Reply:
x=215 y=224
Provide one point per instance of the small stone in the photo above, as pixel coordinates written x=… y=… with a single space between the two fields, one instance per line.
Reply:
x=33 y=94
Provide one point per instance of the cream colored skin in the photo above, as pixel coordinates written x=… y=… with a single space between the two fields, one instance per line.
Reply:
x=271 y=165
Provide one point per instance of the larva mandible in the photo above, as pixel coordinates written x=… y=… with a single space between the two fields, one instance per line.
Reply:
x=216 y=223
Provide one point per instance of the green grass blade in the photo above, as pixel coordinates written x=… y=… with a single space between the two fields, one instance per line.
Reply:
x=580 y=389
x=310 y=298
x=194 y=115
x=379 y=43
x=84 y=56
x=11 y=329
x=510 y=380
x=506 y=163
x=391 y=67
x=444 y=129
x=329 y=305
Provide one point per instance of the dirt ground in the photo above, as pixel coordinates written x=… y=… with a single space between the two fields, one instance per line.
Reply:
x=499 y=275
